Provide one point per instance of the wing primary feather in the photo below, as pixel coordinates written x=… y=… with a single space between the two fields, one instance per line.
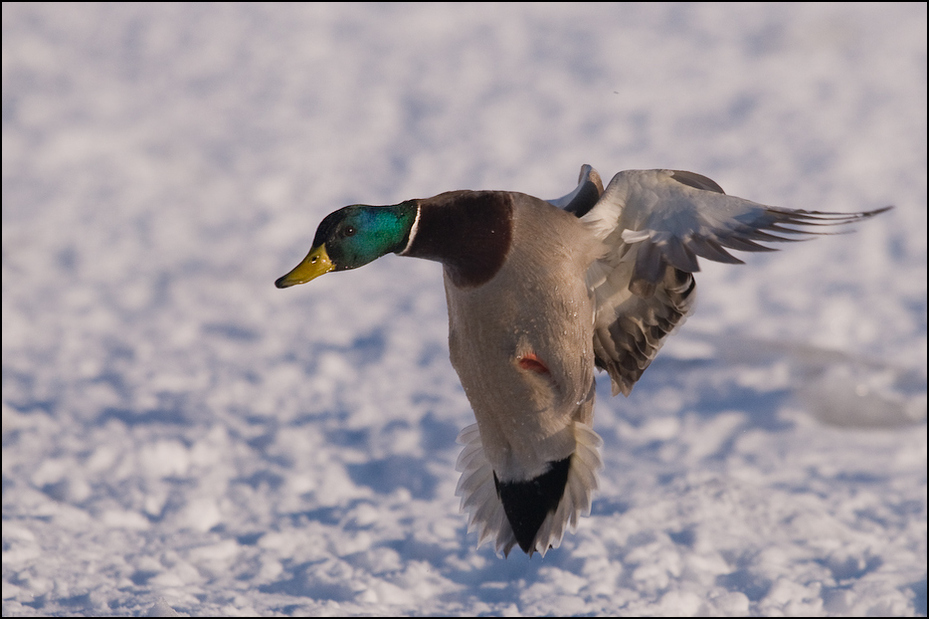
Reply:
x=712 y=250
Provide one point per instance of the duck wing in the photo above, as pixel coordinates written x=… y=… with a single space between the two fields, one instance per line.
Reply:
x=655 y=224
x=585 y=195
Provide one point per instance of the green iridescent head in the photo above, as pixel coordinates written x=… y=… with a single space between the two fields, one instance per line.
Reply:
x=352 y=237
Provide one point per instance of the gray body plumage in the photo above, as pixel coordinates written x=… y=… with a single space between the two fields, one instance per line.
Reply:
x=536 y=305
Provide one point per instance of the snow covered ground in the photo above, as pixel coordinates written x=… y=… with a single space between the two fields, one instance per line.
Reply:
x=178 y=434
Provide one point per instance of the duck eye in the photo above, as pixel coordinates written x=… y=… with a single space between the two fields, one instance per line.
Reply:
x=349 y=231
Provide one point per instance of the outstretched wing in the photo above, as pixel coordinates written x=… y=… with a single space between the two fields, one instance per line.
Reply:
x=655 y=224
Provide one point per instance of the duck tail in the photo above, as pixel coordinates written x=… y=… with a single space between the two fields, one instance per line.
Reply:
x=480 y=494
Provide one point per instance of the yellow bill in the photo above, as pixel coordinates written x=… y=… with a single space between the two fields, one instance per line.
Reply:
x=316 y=263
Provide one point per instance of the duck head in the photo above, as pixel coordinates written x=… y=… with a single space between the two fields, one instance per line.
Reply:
x=352 y=237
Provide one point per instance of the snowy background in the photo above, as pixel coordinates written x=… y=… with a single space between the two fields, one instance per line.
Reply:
x=178 y=434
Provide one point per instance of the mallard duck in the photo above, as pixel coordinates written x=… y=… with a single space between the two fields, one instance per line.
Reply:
x=539 y=294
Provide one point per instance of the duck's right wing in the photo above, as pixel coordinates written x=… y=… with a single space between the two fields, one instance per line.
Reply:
x=655 y=223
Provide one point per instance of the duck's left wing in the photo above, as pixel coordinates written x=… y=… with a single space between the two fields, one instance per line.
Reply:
x=655 y=224
x=585 y=195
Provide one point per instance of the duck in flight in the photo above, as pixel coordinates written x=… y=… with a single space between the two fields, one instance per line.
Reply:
x=539 y=294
